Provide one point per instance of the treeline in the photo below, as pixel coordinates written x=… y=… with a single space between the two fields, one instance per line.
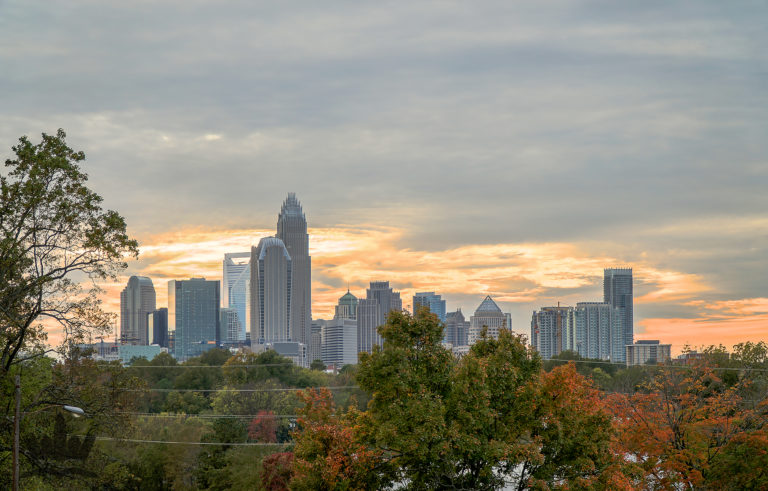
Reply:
x=409 y=415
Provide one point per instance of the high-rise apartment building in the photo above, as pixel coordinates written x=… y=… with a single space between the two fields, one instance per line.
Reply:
x=271 y=292
x=553 y=330
x=292 y=231
x=193 y=314
x=599 y=331
x=235 y=289
x=433 y=302
x=618 y=291
x=136 y=301
x=347 y=307
x=372 y=312
x=456 y=329
x=488 y=314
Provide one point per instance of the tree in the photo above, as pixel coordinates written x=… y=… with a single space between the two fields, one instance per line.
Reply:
x=317 y=365
x=328 y=453
x=688 y=429
x=263 y=428
x=53 y=232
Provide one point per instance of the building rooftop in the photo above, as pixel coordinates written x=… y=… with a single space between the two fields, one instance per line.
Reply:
x=488 y=305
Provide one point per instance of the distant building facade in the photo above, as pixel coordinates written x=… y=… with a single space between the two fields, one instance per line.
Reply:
x=553 y=330
x=271 y=292
x=136 y=301
x=235 y=289
x=193 y=315
x=157 y=327
x=347 y=307
x=292 y=231
x=433 y=302
x=229 y=327
x=488 y=314
x=648 y=351
x=619 y=293
x=456 y=329
x=599 y=332
x=372 y=312
x=339 y=342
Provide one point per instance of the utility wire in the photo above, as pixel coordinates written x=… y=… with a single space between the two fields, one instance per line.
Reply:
x=240 y=444
x=246 y=390
x=213 y=366
x=210 y=416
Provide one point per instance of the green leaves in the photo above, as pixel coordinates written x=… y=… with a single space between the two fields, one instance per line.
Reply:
x=53 y=234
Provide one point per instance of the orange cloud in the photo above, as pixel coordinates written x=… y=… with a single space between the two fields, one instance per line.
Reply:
x=702 y=331
x=523 y=273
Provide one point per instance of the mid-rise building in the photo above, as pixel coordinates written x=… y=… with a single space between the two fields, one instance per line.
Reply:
x=193 y=314
x=235 y=289
x=372 y=312
x=648 y=351
x=292 y=231
x=456 y=329
x=271 y=292
x=339 y=342
x=488 y=315
x=136 y=301
x=618 y=292
x=433 y=302
x=157 y=327
x=553 y=330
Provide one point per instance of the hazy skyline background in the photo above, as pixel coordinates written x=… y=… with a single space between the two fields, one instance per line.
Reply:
x=510 y=148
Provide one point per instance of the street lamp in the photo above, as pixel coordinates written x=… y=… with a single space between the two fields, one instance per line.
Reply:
x=75 y=411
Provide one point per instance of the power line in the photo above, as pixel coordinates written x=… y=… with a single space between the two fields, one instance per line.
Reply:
x=213 y=366
x=246 y=390
x=239 y=444
x=682 y=367
x=209 y=416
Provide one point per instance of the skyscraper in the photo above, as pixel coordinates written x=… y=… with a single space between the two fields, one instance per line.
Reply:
x=136 y=301
x=157 y=327
x=372 y=312
x=552 y=330
x=433 y=302
x=456 y=329
x=292 y=231
x=488 y=314
x=599 y=331
x=193 y=314
x=271 y=292
x=618 y=291
x=347 y=307
x=235 y=289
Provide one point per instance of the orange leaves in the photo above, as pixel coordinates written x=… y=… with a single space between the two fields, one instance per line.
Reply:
x=677 y=431
x=328 y=454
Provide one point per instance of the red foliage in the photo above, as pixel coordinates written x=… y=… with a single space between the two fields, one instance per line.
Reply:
x=263 y=427
x=276 y=471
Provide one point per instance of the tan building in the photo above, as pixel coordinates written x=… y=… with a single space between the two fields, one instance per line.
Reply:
x=649 y=351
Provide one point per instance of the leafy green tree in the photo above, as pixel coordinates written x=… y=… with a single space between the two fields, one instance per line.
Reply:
x=53 y=232
x=317 y=365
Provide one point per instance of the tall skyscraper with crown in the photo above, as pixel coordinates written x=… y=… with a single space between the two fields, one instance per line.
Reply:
x=292 y=230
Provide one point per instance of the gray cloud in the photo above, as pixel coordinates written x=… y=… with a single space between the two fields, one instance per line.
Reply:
x=636 y=125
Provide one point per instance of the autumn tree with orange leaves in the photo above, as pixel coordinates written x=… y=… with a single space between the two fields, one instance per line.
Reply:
x=687 y=429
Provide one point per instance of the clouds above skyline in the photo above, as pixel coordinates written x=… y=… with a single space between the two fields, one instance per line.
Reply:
x=572 y=135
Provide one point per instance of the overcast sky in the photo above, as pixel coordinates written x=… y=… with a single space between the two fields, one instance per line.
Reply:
x=511 y=148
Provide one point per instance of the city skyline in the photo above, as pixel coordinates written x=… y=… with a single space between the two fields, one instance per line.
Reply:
x=510 y=149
